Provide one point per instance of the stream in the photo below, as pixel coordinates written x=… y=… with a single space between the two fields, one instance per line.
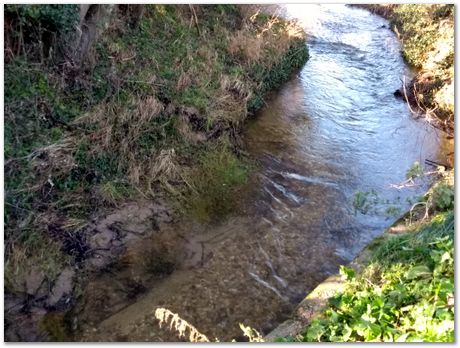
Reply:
x=333 y=135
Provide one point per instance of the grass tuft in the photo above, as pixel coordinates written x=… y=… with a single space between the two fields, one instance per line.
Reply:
x=214 y=183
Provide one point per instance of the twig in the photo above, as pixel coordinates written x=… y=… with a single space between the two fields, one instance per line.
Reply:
x=196 y=19
x=405 y=95
x=417 y=204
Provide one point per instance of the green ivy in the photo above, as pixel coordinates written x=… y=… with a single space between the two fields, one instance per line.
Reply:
x=404 y=295
x=60 y=18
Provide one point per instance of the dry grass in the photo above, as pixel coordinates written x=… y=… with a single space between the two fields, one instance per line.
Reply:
x=132 y=117
x=257 y=37
x=55 y=159
x=249 y=47
x=183 y=82
x=119 y=130
x=24 y=259
x=165 y=170
x=230 y=101
x=179 y=325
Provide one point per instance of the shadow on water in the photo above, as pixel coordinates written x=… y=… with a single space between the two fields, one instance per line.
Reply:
x=333 y=130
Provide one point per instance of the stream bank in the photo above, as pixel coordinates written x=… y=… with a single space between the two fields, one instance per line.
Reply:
x=395 y=276
x=104 y=153
x=427 y=36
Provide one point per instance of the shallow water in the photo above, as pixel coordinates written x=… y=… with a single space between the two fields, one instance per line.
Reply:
x=333 y=130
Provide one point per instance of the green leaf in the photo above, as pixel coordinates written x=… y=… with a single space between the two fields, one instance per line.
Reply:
x=347 y=273
x=315 y=331
x=347 y=331
x=418 y=272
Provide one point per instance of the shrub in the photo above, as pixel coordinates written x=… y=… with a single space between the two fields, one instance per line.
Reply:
x=443 y=196
x=57 y=18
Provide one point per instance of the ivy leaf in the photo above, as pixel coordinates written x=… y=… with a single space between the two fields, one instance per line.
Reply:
x=347 y=331
x=314 y=332
x=418 y=272
x=347 y=273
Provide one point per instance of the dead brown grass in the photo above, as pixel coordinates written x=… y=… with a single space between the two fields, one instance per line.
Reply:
x=230 y=102
x=132 y=116
x=39 y=260
x=252 y=42
x=119 y=127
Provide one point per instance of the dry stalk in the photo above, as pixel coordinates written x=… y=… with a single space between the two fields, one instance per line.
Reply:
x=179 y=325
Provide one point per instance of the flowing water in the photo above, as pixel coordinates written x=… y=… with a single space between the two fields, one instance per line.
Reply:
x=334 y=130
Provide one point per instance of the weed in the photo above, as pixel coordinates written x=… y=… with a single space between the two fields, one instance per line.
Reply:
x=443 y=196
x=113 y=192
x=414 y=171
x=34 y=253
x=360 y=202
x=404 y=295
x=393 y=211
x=57 y=326
x=213 y=183
x=365 y=202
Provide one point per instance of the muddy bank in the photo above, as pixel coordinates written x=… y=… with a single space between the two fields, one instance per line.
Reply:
x=104 y=245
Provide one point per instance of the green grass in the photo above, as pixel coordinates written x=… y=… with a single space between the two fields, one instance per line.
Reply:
x=280 y=72
x=419 y=25
x=214 y=182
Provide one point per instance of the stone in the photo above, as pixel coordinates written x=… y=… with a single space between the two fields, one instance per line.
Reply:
x=102 y=240
x=100 y=260
x=62 y=287
x=34 y=280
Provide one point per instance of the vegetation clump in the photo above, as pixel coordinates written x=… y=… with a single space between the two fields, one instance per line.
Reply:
x=405 y=293
x=213 y=181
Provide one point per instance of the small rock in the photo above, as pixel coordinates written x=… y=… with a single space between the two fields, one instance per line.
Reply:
x=102 y=240
x=100 y=260
x=34 y=280
x=36 y=313
x=63 y=286
x=42 y=291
